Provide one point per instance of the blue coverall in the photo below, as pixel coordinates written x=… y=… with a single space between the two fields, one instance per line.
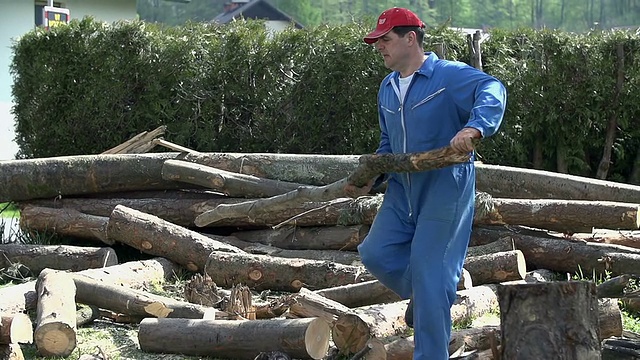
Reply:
x=418 y=241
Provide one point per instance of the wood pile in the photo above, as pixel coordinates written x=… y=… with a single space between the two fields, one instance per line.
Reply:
x=271 y=241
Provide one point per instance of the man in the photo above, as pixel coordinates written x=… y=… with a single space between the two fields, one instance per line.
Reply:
x=418 y=241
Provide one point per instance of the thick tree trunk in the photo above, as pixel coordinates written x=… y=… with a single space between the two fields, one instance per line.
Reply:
x=155 y=236
x=183 y=210
x=11 y=352
x=242 y=339
x=370 y=167
x=65 y=222
x=262 y=272
x=497 y=267
x=568 y=216
x=16 y=328
x=360 y=294
x=530 y=314
x=132 y=302
x=565 y=255
x=308 y=238
x=135 y=274
x=226 y=182
x=55 y=332
x=59 y=257
x=519 y=183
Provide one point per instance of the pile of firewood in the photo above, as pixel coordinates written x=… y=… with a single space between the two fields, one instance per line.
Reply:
x=271 y=240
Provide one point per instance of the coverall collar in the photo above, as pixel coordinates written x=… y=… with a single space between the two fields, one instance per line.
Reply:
x=426 y=69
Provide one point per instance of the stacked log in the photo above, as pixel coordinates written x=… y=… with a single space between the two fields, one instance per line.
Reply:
x=281 y=223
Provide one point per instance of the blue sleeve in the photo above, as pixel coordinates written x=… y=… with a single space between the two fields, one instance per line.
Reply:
x=481 y=95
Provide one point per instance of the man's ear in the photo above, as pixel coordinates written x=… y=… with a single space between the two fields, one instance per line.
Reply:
x=411 y=37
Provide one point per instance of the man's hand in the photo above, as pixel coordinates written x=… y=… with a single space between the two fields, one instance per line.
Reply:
x=354 y=191
x=463 y=141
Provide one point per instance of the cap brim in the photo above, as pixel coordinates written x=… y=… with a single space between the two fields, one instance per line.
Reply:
x=373 y=36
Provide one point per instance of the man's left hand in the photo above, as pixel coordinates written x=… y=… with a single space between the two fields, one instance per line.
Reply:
x=463 y=141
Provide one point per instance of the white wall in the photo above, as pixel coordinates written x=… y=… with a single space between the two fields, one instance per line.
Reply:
x=18 y=18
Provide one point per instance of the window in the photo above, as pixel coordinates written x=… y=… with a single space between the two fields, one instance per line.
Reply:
x=39 y=7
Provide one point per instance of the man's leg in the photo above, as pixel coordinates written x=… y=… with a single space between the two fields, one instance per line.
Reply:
x=386 y=250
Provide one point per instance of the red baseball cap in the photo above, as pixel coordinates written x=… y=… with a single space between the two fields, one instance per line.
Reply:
x=391 y=18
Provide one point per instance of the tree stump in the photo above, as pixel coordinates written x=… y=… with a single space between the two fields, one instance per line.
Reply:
x=557 y=320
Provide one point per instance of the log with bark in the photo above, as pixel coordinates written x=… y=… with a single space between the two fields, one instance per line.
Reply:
x=55 y=332
x=241 y=339
x=140 y=143
x=179 y=209
x=64 y=222
x=262 y=272
x=556 y=320
x=11 y=352
x=59 y=257
x=497 y=267
x=614 y=237
x=124 y=300
x=15 y=328
x=369 y=168
x=135 y=274
x=225 y=182
x=309 y=304
x=337 y=256
x=309 y=237
x=565 y=255
x=155 y=236
x=567 y=216
x=360 y=294
x=618 y=348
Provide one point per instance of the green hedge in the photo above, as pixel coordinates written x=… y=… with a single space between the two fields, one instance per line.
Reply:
x=89 y=86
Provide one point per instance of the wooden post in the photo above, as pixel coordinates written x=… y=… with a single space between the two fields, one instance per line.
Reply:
x=556 y=320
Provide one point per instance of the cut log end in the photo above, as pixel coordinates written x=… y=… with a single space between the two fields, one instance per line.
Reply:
x=16 y=328
x=316 y=338
x=55 y=339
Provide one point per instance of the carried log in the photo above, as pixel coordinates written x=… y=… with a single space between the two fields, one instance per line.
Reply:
x=225 y=182
x=241 y=339
x=55 y=332
x=360 y=294
x=155 y=236
x=58 y=257
x=135 y=274
x=133 y=302
x=308 y=238
x=15 y=328
x=262 y=272
x=370 y=167
x=530 y=315
x=182 y=210
x=497 y=267
x=566 y=255
x=567 y=216
x=64 y=222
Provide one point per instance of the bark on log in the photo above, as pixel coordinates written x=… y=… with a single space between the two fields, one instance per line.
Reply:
x=135 y=274
x=337 y=256
x=65 y=222
x=55 y=332
x=565 y=255
x=58 y=257
x=500 y=245
x=309 y=304
x=225 y=182
x=370 y=167
x=242 y=339
x=360 y=294
x=353 y=330
x=511 y=182
x=182 y=210
x=11 y=352
x=617 y=348
x=15 y=328
x=132 y=302
x=498 y=267
x=567 y=216
x=154 y=236
x=262 y=272
x=609 y=318
x=604 y=236
x=555 y=320
x=86 y=314
x=308 y=238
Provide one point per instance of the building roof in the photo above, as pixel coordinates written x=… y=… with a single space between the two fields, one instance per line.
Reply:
x=255 y=9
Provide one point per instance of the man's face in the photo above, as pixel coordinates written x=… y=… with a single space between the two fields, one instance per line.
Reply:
x=394 y=50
